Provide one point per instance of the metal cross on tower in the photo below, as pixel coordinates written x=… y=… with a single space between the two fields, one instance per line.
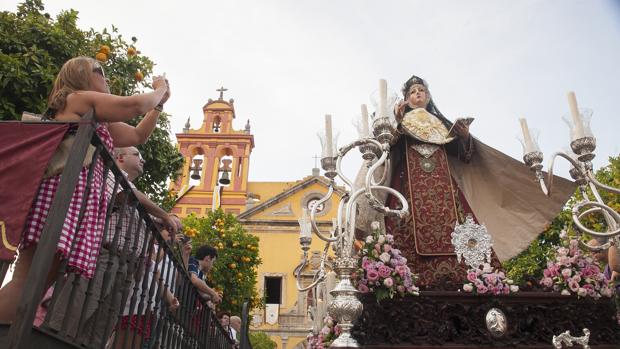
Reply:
x=221 y=91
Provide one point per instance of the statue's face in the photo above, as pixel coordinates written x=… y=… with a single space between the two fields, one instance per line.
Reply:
x=418 y=96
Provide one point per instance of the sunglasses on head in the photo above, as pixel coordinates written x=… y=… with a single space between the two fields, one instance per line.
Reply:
x=99 y=70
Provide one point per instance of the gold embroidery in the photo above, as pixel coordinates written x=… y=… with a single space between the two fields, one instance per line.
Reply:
x=5 y=241
x=426 y=127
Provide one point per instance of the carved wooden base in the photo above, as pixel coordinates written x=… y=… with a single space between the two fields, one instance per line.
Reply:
x=457 y=320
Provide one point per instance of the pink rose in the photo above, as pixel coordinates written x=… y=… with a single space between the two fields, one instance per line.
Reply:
x=401 y=270
x=566 y=273
x=547 y=282
x=363 y=288
x=471 y=276
x=365 y=263
x=384 y=271
x=401 y=288
x=372 y=275
x=388 y=282
x=573 y=285
x=482 y=289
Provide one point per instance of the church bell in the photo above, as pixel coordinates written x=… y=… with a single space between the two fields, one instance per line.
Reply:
x=225 y=179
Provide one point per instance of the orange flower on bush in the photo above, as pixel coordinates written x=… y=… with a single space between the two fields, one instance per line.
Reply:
x=131 y=51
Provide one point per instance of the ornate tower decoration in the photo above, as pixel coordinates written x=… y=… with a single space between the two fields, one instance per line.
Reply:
x=217 y=159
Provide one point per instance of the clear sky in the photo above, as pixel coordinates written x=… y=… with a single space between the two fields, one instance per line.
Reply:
x=287 y=63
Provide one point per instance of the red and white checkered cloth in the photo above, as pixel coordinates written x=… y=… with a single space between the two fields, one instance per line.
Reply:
x=83 y=257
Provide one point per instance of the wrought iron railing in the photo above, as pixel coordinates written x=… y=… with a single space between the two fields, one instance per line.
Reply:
x=129 y=302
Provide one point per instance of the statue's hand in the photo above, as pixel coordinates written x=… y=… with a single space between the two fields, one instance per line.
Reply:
x=461 y=129
x=399 y=110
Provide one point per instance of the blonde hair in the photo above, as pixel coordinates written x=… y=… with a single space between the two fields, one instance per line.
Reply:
x=73 y=76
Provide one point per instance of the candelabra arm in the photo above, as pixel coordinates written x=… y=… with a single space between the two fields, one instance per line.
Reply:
x=597 y=206
x=319 y=275
x=546 y=188
x=612 y=223
x=330 y=191
x=593 y=180
x=386 y=171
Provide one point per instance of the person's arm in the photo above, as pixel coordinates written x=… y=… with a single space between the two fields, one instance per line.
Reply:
x=614 y=259
x=125 y=135
x=112 y=108
x=204 y=288
x=152 y=208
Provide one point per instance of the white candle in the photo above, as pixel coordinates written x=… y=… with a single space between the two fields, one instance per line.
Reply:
x=574 y=112
x=305 y=225
x=330 y=284
x=329 y=147
x=365 y=132
x=382 y=98
x=527 y=137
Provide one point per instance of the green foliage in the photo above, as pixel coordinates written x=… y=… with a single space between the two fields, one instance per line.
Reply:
x=33 y=48
x=234 y=271
x=530 y=263
x=260 y=340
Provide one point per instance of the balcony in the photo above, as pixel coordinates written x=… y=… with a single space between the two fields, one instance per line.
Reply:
x=129 y=302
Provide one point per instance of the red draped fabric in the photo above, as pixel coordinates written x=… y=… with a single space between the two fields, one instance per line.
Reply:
x=25 y=150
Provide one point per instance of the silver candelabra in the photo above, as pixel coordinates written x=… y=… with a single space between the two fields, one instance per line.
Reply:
x=582 y=145
x=345 y=308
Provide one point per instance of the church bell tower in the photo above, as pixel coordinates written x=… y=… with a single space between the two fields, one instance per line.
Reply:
x=217 y=159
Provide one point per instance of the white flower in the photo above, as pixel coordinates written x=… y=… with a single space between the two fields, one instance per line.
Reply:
x=582 y=292
x=486 y=268
x=565 y=293
x=509 y=281
x=468 y=287
x=385 y=257
x=381 y=239
x=369 y=239
x=514 y=288
x=563 y=234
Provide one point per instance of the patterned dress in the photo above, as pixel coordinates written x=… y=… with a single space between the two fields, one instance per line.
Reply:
x=79 y=241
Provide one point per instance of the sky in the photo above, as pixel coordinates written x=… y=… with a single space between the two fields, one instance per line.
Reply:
x=288 y=63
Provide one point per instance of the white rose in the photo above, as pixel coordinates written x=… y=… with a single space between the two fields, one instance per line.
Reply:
x=385 y=257
x=381 y=239
x=514 y=288
x=369 y=239
x=565 y=293
x=468 y=287
x=486 y=268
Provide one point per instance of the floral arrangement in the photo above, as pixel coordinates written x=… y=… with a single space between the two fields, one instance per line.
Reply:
x=486 y=280
x=572 y=272
x=383 y=270
x=324 y=338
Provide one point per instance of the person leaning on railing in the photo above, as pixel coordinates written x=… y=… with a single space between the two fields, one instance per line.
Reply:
x=130 y=237
x=199 y=267
x=79 y=88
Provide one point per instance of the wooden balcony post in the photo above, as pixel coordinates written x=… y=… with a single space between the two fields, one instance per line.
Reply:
x=20 y=332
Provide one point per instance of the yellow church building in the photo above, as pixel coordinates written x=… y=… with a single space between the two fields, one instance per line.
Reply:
x=215 y=174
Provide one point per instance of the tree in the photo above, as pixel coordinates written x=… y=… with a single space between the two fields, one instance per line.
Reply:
x=33 y=47
x=260 y=340
x=234 y=271
x=530 y=263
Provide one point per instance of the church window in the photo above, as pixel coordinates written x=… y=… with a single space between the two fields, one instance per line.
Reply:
x=273 y=290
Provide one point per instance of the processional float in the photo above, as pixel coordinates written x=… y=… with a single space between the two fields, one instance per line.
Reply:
x=345 y=307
